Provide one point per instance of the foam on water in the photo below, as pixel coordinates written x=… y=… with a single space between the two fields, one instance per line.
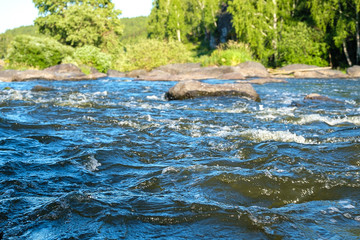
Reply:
x=260 y=135
x=332 y=121
x=92 y=164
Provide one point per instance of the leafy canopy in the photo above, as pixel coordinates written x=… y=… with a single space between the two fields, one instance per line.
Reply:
x=80 y=22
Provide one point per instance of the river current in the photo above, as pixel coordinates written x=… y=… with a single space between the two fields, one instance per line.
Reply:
x=112 y=159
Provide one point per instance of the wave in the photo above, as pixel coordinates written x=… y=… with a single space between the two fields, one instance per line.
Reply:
x=259 y=135
x=308 y=119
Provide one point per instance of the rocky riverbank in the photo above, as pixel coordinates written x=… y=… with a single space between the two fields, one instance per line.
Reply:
x=187 y=71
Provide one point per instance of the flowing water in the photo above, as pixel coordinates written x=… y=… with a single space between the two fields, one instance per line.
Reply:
x=112 y=159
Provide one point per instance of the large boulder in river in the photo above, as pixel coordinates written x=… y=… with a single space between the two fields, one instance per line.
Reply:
x=354 y=71
x=194 y=89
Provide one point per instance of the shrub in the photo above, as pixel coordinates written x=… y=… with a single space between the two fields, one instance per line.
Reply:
x=151 y=53
x=231 y=53
x=91 y=56
x=302 y=44
x=38 y=52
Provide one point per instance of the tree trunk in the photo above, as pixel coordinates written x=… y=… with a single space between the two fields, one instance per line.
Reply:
x=357 y=38
x=347 y=54
x=275 y=40
x=178 y=33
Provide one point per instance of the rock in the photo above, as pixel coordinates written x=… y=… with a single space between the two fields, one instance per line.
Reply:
x=179 y=68
x=354 y=71
x=194 y=89
x=8 y=75
x=318 y=97
x=310 y=71
x=261 y=81
x=327 y=73
x=39 y=88
x=252 y=69
x=156 y=75
x=297 y=67
x=191 y=72
x=115 y=74
x=64 y=68
x=136 y=73
x=32 y=74
x=71 y=72
x=58 y=72
x=232 y=76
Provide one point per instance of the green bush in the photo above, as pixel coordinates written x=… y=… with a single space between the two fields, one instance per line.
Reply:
x=302 y=44
x=37 y=52
x=91 y=56
x=231 y=54
x=151 y=53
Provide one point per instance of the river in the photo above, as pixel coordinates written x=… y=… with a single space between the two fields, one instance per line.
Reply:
x=112 y=159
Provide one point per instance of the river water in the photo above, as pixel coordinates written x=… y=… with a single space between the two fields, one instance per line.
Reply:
x=112 y=159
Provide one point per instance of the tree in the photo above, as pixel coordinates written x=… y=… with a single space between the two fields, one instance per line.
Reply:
x=339 y=20
x=80 y=22
x=167 y=20
x=257 y=23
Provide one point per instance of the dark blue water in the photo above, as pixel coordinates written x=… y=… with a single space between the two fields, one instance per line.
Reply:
x=112 y=159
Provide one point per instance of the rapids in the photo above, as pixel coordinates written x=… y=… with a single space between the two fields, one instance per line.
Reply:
x=112 y=159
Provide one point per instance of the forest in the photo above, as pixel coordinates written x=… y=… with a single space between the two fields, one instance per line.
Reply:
x=212 y=32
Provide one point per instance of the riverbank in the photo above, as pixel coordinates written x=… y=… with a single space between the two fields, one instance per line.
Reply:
x=186 y=71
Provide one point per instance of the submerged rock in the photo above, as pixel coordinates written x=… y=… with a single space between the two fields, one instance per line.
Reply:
x=39 y=88
x=318 y=97
x=194 y=89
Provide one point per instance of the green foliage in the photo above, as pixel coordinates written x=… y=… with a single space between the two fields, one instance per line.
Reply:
x=302 y=44
x=9 y=35
x=135 y=29
x=90 y=56
x=231 y=54
x=38 y=52
x=151 y=53
x=78 y=23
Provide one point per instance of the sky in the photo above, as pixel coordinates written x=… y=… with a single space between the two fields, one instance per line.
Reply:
x=16 y=13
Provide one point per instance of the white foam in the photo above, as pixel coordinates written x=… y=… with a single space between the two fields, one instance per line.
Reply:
x=306 y=119
x=153 y=97
x=279 y=136
x=92 y=164
x=170 y=170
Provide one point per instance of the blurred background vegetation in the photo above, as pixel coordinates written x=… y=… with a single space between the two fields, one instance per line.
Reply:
x=212 y=32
